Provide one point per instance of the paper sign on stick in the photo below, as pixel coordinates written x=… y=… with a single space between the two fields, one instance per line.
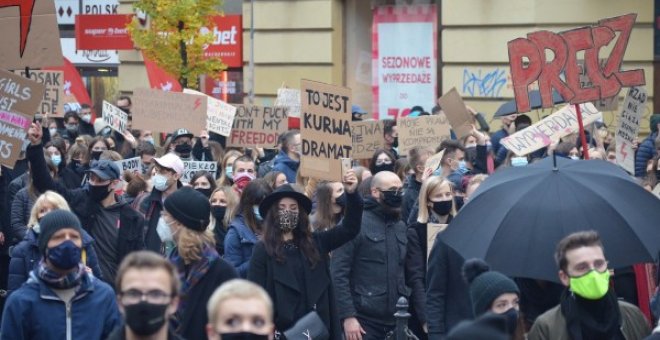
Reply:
x=367 y=138
x=527 y=59
x=13 y=133
x=289 y=98
x=459 y=117
x=115 y=117
x=168 y=111
x=220 y=115
x=550 y=129
x=30 y=36
x=191 y=167
x=258 y=126
x=427 y=131
x=628 y=127
x=53 y=100
x=325 y=129
x=18 y=94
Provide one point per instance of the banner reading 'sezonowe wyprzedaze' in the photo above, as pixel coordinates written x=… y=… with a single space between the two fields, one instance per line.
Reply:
x=405 y=55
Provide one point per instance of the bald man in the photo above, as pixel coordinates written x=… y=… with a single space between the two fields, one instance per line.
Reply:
x=368 y=272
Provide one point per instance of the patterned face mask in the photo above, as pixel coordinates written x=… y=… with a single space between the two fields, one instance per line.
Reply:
x=288 y=220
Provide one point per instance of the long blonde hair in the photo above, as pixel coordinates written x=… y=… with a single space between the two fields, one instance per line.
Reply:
x=232 y=203
x=191 y=243
x=50 y=197
x=429 y=185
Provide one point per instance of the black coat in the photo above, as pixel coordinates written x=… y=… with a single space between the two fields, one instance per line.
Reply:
x=194 y=318
x=410 y=196
x=280 y=282
x=447 y=296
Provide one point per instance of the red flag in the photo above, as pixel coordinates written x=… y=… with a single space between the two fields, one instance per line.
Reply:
x=74 y=88
x=159 y=79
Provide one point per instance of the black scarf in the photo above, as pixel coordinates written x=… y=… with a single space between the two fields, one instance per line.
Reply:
x=592 y=319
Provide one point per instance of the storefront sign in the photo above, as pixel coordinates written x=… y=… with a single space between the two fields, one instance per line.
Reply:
x=92 y=57
x=103 y=32
x=228 y=40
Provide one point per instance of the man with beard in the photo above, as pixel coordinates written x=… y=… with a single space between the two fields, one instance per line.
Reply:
x=368 y=272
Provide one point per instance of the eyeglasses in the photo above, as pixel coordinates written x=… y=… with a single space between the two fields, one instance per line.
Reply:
x=584 y=267
x=134 y=296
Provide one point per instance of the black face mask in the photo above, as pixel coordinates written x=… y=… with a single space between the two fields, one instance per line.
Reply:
x=218 y=212
x=459 y=202
x=242 y=336
x=96 y=155
x=442 y=208
x=392 y=199
x=77 y=166
x=511 y=320
x=395 y=144
x=99 y=192
x=183 y=149
x=383 y=167
x=145 y=318
x=341 y=200
x=657 y=175
x=206 y=191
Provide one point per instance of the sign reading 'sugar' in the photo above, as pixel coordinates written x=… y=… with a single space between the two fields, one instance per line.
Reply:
x=527 y=58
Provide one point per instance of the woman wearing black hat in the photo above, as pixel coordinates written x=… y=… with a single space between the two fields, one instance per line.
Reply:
x=185 y=221
x=291 y=262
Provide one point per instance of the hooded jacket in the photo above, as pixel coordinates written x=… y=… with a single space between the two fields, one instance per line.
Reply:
x=283 y=163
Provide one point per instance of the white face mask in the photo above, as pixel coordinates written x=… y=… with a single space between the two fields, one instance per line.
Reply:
x=37 y=228
x=164 y=231
x=52 y=132
x=86 y=118
x=160 y=182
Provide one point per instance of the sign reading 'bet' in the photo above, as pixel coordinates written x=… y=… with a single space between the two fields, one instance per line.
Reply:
x=529 y=63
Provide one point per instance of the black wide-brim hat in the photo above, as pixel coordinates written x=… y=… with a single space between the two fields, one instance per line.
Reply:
x=282 y=192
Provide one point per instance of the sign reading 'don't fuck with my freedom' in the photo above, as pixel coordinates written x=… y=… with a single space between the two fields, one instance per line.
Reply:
x=527 y=59
x=325 y=129
x=550 y=129
x=258 y=126
x=628 y=127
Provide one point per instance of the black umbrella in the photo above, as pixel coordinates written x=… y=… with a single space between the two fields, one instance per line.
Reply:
x=518 y=215
x=509 y=107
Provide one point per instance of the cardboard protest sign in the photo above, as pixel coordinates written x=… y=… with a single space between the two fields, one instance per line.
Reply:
x=289 y=98
x=220 y=115
x=628 y=127
x=428 y=131
x=527 y=58
x=433 y=162
x=367 y=138
x=191 y=167
x=53 y=100
x=131 y=165
x=258 y=126
x=13 y=133
x=168 y=111
x=603 y=104
x=18 y=94
x=115 y=117
x=550 y=129
x=30 y=35
x=460 y=119
x=325 y=129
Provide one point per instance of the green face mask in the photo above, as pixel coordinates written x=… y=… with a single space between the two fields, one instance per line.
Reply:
x=592 y=286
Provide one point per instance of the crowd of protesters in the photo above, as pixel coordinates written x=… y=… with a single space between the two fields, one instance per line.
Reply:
x=258 y=251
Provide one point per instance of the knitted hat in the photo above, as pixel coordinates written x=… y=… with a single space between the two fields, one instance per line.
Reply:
x=54 y=221
x=487 y=327
x=486 y=285
x=190 y=207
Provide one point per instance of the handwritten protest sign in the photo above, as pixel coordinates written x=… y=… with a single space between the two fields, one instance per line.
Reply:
x=258 y=126
x=527 y=58
x=628 y=127
x=220 y=115
x=18 y=94
x=460 y=119
x=603 y=104
x=131 y=165
x=168 y=111
x=427 y=131
x=325 y=129
x=191 y=167
x=53 y=100
x=550 y=129
x=115 y=117
x=30 y=36
x=289 y=98
x=367 y=138
x=13 y=133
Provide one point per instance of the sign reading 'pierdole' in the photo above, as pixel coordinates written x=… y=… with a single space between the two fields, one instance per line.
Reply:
x=404 y=77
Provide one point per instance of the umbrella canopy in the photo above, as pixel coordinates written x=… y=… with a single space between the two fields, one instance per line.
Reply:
x=509 y=107
x=518 y=215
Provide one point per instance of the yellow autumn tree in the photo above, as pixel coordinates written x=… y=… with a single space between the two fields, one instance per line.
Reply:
x=173 y=39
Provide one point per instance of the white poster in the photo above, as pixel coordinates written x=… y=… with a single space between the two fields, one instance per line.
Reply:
x=405 y=59
x=628 y=127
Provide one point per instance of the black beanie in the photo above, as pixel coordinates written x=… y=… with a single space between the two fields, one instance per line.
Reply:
x=54 y=221
x=486 y=285
x=190 y=207
x=487 y=327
